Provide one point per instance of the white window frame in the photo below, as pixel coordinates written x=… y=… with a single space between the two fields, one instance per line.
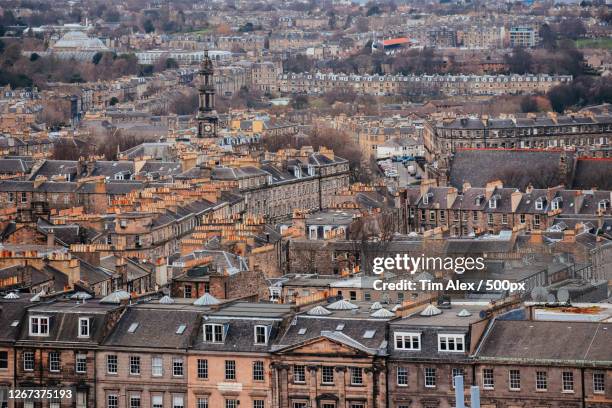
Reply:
x=229 y=368
x=139 y=365
x=323 y=379
x=568 y=381
x=597 y=390
x=157 y=401
x=510 y=387
x=214 y=333
x=302 y=374
x=404 y=336
x=84 y=326
x=110 y=364
x=403 y=373
x=202 y=368
x=488 y=383
x=178 y=364
x=78 y=360
x=356 y=375
x=24 y=360
x=455 y=337
x=259 y=370
x=157 y=366
x=265 y=334
x=59 y=361
x=39 y=319
x=178 y=401
x=115 y=397
x=540 y=381
x=426 y=376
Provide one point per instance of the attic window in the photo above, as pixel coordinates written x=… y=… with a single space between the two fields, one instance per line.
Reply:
x=539 y=204
x=15 y=323
x=83 y=327
x=133 y=327
x=261 y=334
x=39 y=326
x=302 y=331
x=493 y=203
x=478 y=200
x=340 y=327
x=603 y=204
x=369 y=334
x=181 y=329
x=213 y=333
x=556 y=203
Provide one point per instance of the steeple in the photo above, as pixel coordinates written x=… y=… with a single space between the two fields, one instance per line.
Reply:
x=208 y=120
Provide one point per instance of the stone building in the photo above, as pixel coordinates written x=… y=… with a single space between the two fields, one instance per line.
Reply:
x=57 y=347
x=529 y=363
x=333 y=357
x=143 y=362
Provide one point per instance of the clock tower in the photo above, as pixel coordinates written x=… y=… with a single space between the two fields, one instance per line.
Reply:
x=208 y=120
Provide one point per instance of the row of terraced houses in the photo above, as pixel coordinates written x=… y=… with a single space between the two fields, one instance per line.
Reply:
x=164 y=352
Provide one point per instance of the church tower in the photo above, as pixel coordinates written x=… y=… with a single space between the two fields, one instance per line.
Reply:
x=208 y=120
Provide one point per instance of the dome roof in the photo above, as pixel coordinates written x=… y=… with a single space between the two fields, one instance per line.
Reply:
x=342 y=305
x=116 y=297
x=464 y=313
x=382 y=312
x=206 y=300
x=166 y=300
x=318 y=311
x=431 y=310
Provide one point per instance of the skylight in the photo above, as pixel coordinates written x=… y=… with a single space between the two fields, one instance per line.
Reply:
x=302 y=331
x=15 y=323
x=181 y=329
x=369 y=334
x=133 y=327
x=340 y=327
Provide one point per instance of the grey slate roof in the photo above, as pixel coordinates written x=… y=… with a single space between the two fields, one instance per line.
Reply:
x=515 y=168
x=548 y=342
x=157 y=328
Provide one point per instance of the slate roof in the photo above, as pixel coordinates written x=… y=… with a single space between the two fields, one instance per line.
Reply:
x=351 y=333
x=157 y=327
x=13 y=166
x=551 y=342
x=591 y=173
x=12 y=310
x=515 y=168
x=64 y=318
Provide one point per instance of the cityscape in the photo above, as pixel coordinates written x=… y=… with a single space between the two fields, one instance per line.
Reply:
x=306 y=204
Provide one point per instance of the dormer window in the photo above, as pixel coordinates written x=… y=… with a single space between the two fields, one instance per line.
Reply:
x=493 y=203
x=556 y=203
x=39 y=326
x=478 y=200
x=603 y=205
x=261 y=335
x=540 y=203
x=83 y=327
x=426 y=198
x=213 y=333
x=451 y=343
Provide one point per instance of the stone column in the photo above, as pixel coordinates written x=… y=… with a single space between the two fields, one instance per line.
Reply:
x=341 y=370
x=312 y=381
